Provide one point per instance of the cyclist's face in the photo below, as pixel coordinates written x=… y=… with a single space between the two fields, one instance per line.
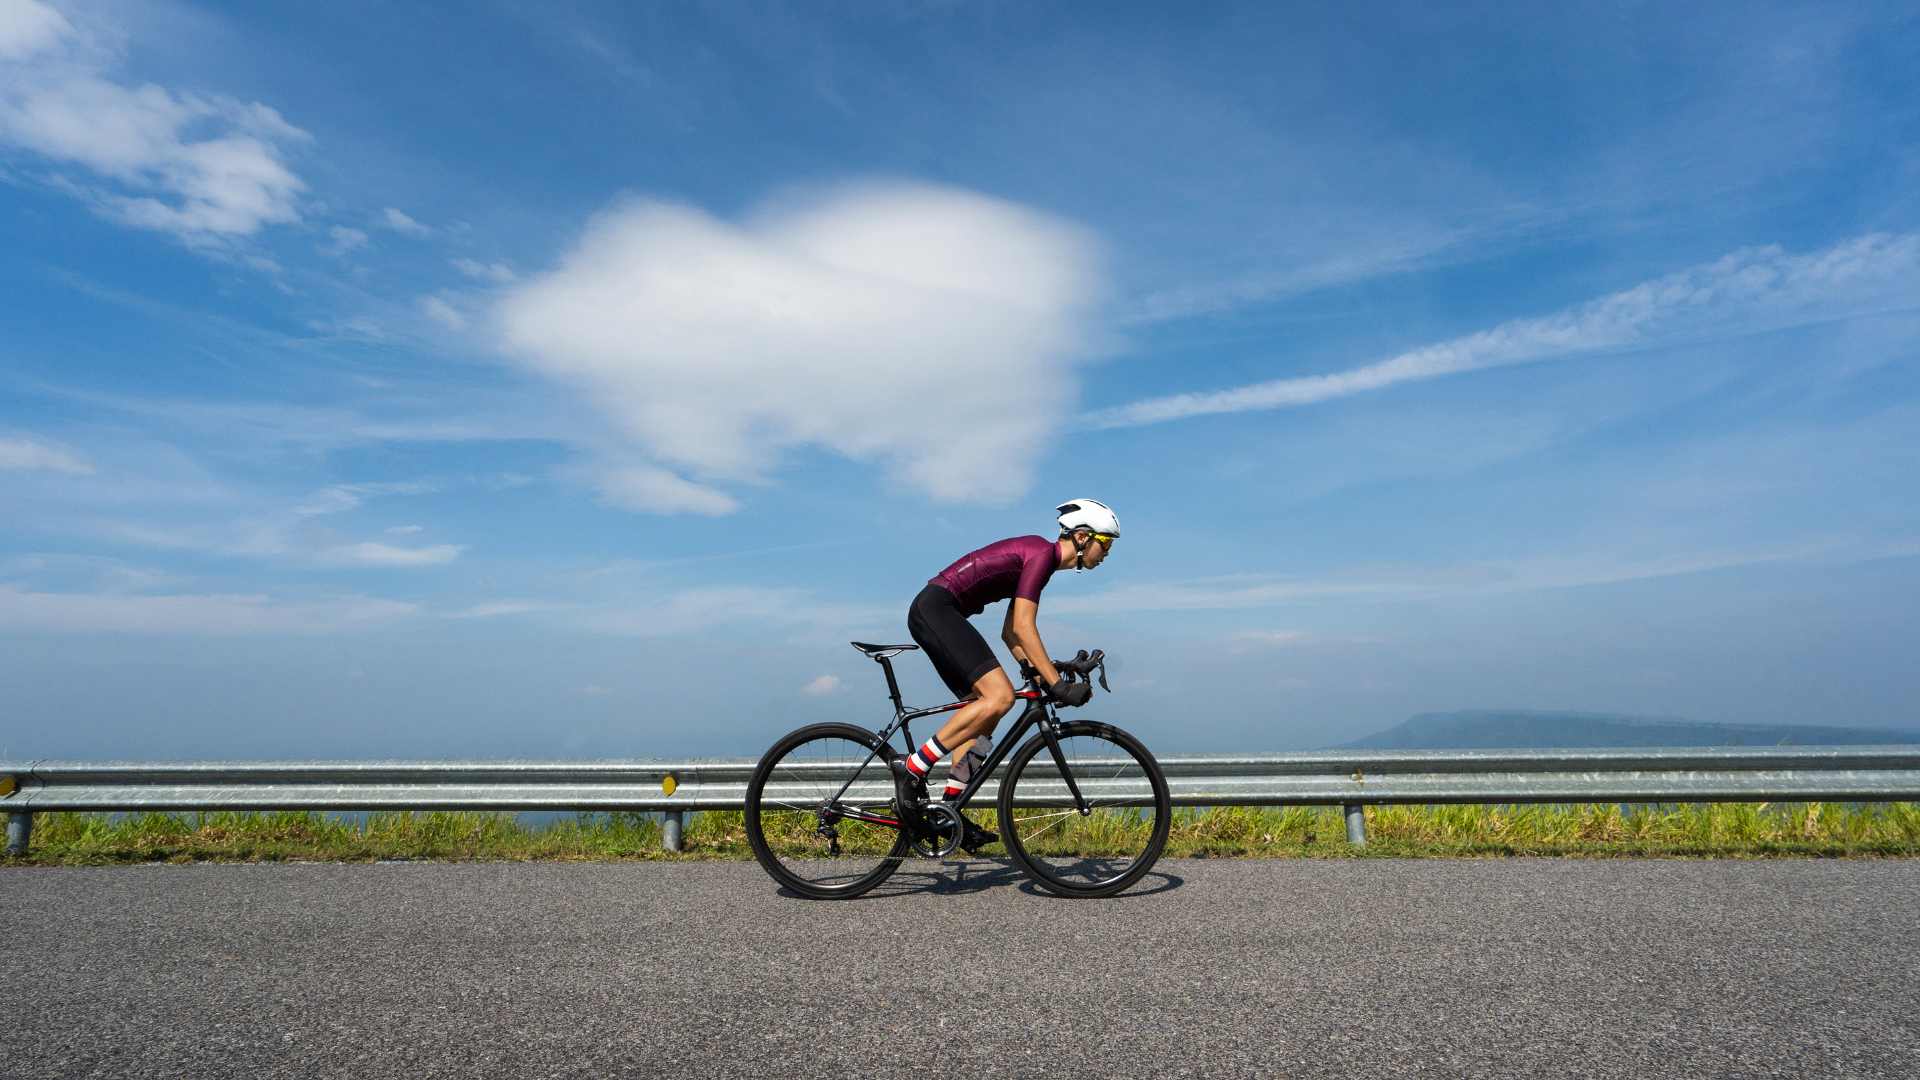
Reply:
x=1093 y=554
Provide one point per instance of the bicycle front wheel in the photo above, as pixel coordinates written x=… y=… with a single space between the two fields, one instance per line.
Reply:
x=1118 y=839
x=820 y=812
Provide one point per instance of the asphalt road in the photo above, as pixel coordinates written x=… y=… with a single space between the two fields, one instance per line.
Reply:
x=1522 y=968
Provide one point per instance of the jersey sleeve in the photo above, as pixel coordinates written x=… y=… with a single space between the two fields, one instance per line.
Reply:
x=1036 y=567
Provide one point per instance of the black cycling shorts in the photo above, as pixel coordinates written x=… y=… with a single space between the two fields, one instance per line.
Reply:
x=957 y=650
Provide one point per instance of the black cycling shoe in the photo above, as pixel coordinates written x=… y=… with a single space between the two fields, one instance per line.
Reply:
x=909 y=795
x=976 y=838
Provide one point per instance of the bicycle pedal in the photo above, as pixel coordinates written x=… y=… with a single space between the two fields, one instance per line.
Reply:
x=976 y=838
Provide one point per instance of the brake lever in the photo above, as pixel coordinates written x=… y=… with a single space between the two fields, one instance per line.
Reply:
x=1102 y=667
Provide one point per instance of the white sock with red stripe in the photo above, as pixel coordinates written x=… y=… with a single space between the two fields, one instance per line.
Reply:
x=963 y=767
x=922 y=761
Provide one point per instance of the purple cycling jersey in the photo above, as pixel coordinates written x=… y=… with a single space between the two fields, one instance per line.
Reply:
x=1019 y=566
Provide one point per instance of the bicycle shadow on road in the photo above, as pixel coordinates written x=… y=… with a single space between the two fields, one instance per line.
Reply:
x=979 y=875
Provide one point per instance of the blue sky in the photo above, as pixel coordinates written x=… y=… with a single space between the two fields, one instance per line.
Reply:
x=575 y=380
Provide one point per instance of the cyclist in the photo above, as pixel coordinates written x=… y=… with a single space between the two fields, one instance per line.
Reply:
x=1015 y=569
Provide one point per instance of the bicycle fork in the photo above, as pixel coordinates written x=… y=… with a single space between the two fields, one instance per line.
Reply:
x=1060 y=762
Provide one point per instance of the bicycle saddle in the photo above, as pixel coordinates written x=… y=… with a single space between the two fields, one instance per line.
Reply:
x=882 y=650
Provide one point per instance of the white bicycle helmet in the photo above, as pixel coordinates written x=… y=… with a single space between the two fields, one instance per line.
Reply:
x=1087 y=514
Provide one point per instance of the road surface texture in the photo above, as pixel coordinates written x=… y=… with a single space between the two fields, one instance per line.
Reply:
x=1496 y=968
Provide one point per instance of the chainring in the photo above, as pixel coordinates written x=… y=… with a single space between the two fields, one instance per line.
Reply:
x=945 y=828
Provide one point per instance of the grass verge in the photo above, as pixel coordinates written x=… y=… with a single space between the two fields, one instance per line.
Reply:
x=1720 y=830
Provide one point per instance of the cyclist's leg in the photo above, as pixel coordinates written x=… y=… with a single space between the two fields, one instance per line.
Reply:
x=966 y=664
x=992 y=699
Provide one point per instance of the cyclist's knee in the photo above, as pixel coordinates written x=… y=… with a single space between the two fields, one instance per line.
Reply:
x=998 y=701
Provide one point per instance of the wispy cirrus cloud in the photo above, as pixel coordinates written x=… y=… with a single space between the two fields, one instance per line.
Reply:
x=1409 y=248
x=1272 y=639
x=426 y=415
x=701 y=608
x=191 y=613
x=161 y=511
x=339 y=498
x=493 y=273
x=495 y=609
x=1561 y=571
x=441 y=310
x=879 y=322
x=69 y=572
x=208 y=169
x=401 y=222
x=20 y=454
x=1751 y=290
x=661 y=491
x=342 y=240
x=374 y=553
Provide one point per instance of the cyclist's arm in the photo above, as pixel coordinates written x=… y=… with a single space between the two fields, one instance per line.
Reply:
x=1007 y=636
x=1022 y=636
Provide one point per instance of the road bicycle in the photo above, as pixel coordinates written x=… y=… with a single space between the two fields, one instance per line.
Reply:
x=1083 y=806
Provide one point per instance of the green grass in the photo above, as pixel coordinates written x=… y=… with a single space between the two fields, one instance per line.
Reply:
x=1728 y=830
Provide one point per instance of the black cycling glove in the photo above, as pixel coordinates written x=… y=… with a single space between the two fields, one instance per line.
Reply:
x=1065 y=692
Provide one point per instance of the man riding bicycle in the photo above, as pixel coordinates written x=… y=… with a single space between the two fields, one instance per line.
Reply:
x=1015 y=569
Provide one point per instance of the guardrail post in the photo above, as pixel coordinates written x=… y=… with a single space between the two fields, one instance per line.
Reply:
x=19 y=832
x=1356 y=824
x=670 y=829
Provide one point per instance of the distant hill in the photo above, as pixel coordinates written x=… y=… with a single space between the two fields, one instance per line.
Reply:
x=1513 y=729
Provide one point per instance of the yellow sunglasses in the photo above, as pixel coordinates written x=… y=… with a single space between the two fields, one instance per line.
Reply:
x=1106 y=540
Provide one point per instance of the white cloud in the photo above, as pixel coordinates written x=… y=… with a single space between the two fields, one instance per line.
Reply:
x=31 y=455
x=66 y=572
x=205 y=168
x=897 y=324
x=344 y=240
x=1560 y=571
x=371 y=553
x=498 y=273
x=28 y=27
x=497 y=608
x=439 y=310
x=406 y=530
x=191 y=614
x=706 y=607
x=1751 y=290
x=1218 y=594
x=340 y=498
x=821 y=686
x=224 y=185
x=1405 y=248
x=1273 y=638
x=644 y=487
x=398 y=221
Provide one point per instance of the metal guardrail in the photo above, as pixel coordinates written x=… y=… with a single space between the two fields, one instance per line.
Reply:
x=1349 y=779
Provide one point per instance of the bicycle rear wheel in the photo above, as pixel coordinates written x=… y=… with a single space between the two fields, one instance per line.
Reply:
x=1105 y=850
x=820 y=814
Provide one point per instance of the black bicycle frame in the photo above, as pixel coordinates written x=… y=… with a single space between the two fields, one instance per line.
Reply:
x=1038 y=713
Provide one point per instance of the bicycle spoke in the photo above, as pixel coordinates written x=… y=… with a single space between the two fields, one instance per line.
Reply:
x=1062 y=819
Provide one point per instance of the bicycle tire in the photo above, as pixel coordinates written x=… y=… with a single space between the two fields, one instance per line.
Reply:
x=1146 y=790
x=757 y=836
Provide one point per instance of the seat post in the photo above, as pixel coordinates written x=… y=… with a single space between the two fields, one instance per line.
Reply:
x=893 y=687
